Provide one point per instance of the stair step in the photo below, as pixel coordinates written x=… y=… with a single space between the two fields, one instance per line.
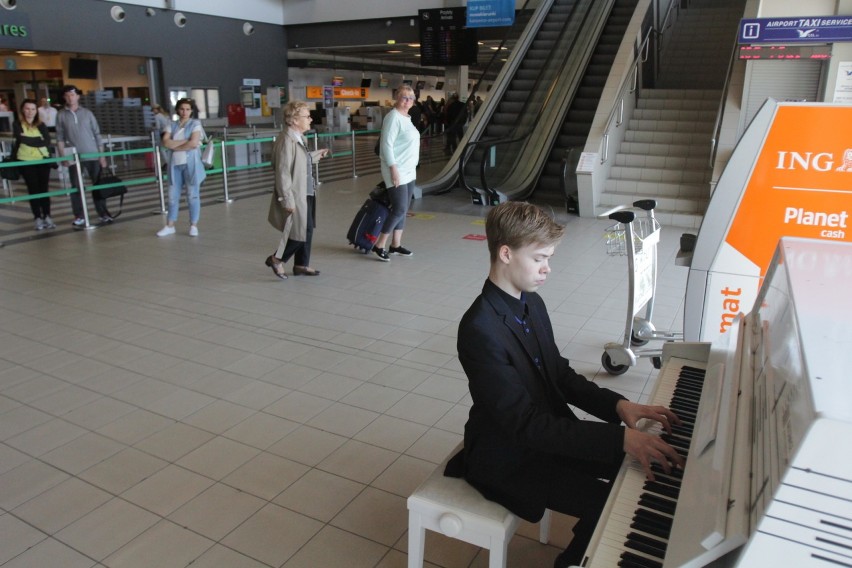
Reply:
x=674 y=114
x=662 y=175
x=679 y=104
x=659 y=149
x=671 y=125
x=671 y=190
x=663 y=161
x=667 y=137
x=682 y=94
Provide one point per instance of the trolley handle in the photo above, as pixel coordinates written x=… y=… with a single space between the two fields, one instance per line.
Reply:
x=623 y=216
x=646 y=204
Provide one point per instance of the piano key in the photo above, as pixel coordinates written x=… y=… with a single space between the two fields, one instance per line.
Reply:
x=634 y=560
x=656 y=503
x=648 y=545
x=662 y=489
x=641 y=508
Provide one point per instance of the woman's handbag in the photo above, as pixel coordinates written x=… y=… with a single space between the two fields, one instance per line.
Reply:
x=10 y=173
x=208 y=156
x=107 y=192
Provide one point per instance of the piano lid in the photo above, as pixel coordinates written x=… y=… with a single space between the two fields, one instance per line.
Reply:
x=814 y=278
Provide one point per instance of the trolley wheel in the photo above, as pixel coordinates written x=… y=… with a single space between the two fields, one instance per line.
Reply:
x=611 y=368
x=641 y=327
x=637 y=341
x=657 y=362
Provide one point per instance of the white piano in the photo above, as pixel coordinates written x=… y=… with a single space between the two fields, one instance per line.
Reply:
x=767 y=435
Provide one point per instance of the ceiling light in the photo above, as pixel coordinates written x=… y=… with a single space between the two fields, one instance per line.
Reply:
x=23 y=53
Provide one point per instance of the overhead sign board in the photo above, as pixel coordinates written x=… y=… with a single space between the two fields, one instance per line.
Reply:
x=490 y=13
x=316 y=92
x=817 y=29
x=15 y=30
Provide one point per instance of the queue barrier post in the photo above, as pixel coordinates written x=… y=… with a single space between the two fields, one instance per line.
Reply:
x=158 y=171
x=82 y=189
x=225 y=197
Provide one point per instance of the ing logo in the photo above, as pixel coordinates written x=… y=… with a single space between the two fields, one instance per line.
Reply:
x=846 y=166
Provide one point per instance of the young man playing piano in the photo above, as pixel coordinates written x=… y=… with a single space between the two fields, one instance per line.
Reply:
x=523 y=446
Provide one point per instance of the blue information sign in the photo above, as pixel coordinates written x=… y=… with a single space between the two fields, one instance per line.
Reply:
x=490 y=13
x=817 y=29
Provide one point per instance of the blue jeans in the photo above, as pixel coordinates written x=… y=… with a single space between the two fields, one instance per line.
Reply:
x=179 y=174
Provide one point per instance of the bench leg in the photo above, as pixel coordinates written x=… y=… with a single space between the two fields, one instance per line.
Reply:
x=544 y=528
x=498 y=553
x=416 y=540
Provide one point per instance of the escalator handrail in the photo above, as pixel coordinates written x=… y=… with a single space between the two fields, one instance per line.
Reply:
x=490 y=143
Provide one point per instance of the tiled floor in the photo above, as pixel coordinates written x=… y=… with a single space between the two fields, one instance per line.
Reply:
x=167 y=402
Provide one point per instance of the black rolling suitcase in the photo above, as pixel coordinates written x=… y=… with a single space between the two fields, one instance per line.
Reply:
x=367 y=225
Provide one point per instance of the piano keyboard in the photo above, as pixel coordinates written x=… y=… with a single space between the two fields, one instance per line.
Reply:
x=637 y=519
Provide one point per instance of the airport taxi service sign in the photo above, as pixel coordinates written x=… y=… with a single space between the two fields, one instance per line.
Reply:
x=816 y=29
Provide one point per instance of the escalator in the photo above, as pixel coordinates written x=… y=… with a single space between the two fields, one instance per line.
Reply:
x=577 y=124
x=559 y=73
x=512 y=86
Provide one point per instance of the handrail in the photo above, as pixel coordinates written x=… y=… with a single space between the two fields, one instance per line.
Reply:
x=719 y=114
x=664 y=25
x=633 y=75
x=490 y=143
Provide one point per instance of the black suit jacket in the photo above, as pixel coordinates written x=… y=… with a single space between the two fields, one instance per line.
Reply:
x=520 y=420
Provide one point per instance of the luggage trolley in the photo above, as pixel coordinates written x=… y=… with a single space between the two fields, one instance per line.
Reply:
x=636 y=238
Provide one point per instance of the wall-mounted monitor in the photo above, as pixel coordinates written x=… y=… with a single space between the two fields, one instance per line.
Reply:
x=383 y=83
x=420 y=85
x=82 y=68
x=365 y=83
x=439 y=85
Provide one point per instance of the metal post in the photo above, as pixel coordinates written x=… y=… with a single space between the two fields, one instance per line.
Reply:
x=354 y=173
x=316 y=164
x=111 y=157
x=82 y=190
x=225 y=198
x=158 y=168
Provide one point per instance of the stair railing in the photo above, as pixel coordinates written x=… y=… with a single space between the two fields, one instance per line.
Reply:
x=629 y=85
x=717 y=128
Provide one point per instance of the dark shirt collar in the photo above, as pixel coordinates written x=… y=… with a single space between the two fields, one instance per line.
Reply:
x=518 y=307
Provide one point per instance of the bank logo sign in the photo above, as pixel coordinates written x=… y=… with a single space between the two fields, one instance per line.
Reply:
x=820 y=29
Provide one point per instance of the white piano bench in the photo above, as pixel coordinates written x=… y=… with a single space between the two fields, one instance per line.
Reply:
x=452 y=507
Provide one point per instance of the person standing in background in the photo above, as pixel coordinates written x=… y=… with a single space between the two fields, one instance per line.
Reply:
x=400 y=153
x=77 y=128
x=183 y=139
x=47 y=114
x=293 y=207
x=32 y=140
x=162 y=124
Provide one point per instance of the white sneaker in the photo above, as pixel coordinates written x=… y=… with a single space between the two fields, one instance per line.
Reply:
x=39 y=224
x=48 y=223
x=166 y=231
x=193 y=231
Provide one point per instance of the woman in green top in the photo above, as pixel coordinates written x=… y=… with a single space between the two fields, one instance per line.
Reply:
x=32 y=140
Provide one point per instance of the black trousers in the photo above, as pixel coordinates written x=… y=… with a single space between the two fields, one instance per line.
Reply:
x=37 y=179
x=301 y=250
x=93 y=168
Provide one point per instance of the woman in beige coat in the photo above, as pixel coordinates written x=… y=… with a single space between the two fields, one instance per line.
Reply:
x=292 y=210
